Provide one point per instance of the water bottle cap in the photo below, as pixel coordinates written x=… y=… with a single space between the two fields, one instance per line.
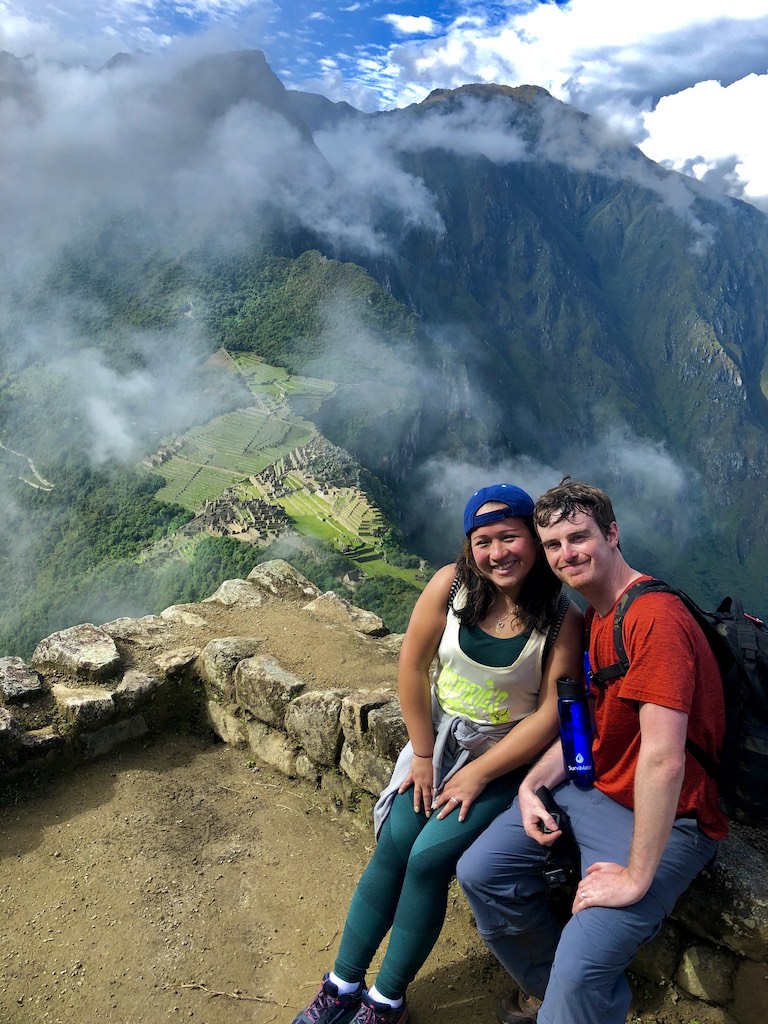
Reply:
x=570 y=688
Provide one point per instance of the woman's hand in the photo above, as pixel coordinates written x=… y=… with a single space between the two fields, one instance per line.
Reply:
x=460 y=792
x=420 y=777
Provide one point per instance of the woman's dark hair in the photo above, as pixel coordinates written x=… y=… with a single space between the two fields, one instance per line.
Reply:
x=538 y=595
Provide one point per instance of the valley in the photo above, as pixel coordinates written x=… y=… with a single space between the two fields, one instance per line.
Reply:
x=257 y=472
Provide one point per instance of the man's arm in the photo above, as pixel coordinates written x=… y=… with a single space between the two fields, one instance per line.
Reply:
x=658 y=780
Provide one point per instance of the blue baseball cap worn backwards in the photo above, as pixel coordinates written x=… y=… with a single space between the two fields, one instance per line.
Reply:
x=517 y=501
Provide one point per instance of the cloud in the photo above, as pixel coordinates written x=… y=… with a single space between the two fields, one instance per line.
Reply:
x=731 y=154
x=410 y=25
x=647 y=485
x=614 y=60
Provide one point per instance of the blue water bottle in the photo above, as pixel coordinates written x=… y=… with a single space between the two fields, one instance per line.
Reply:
x=576 y=731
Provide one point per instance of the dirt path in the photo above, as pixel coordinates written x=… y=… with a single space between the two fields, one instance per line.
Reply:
x=137 y=888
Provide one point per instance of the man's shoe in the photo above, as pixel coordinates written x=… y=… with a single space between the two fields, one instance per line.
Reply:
x=518 y=1008
x=372 y=1012
x=328 y=1007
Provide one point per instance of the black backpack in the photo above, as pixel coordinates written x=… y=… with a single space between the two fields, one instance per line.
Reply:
x=740 y=644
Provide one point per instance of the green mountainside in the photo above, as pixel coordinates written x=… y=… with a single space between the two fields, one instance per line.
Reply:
x=486 y=284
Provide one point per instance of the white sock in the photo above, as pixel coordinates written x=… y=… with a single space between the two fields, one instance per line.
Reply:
x=345 y=987
x=377 y=997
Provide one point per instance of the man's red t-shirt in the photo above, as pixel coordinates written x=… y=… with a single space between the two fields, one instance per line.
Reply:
x=672 y=665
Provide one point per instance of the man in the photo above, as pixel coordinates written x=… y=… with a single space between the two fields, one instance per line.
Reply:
x=652 y=820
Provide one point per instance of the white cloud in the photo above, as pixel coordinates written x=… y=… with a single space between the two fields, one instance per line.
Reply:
x=411 y=25
x=732 y=153
x=613 y=58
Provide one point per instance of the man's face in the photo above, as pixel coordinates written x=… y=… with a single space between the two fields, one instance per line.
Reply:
x=577 y=551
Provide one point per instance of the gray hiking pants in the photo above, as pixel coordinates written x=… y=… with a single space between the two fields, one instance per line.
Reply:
x=578 y=970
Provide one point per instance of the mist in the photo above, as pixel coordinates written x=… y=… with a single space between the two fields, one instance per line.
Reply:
x=177 y=161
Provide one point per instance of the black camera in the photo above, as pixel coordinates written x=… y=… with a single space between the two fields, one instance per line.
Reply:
x=563 y=861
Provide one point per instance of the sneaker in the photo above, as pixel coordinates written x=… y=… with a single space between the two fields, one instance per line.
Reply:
x=328 y=1007
x=372 y=1012
x=518 y=1008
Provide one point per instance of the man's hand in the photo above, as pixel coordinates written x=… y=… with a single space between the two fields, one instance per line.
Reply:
x=608 y=885
x=535 y=815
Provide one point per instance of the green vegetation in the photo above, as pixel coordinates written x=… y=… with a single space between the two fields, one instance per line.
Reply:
x=65 y=542
x=390 y=598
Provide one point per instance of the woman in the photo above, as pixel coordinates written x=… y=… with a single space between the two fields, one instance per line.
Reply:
x=493 y=710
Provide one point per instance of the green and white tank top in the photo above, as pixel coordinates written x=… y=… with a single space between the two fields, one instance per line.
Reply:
x=484 y=693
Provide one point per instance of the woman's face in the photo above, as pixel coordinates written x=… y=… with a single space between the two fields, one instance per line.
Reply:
x=505 y=551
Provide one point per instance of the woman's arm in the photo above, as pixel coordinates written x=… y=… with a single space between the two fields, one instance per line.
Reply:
x=531 y=735
x=420 y=645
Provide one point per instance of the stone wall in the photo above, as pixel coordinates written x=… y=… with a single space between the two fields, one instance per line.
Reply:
x=88 y=690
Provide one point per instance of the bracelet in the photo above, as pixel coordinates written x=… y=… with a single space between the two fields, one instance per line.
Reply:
x=425 y=756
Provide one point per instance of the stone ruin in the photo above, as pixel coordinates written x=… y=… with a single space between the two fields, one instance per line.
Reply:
x=89 y=690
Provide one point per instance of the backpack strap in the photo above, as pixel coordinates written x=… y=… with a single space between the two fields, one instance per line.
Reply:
x=602 y=677
x=555 y=624
x=606 y=675
x=455 y=587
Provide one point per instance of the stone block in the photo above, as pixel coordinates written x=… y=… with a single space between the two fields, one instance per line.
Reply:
x=365 y=767
x=272 y=747
x=278 y=578
x=147 y=631
x=313 y=721
x=219 y=659
x=227 y=726
x=355 y=710
x=109 y=737
x=265 y=689
x=707 y=973
x=173 y=663
x=18 y=682
x=237 y=592
x=387 y=731
x=184 y=614
x=80 y=654
x=9 y=734
x=135 y=690
x=335 y=609
x=41 y=745
x=729 y=904
x=85 y=708
x=750 y=993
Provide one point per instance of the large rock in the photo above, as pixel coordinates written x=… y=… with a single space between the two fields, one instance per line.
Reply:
x=730 y=904
x=135 y=690
x=80 y=654
x=273 y=747
x=9 y=734
x=278 y=578
x=148 y=631
x=265 y=689
x=84 y=708
x=313 y=720
x=219 y=659
x=17 y=682
x=238 y=593
x=335 y=609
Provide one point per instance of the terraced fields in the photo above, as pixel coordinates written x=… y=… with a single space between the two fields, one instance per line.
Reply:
x=231 y=451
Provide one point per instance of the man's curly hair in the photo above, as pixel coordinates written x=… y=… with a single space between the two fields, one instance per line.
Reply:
x=571 y=496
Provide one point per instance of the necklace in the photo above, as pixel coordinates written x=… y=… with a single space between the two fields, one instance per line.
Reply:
x=501 y=622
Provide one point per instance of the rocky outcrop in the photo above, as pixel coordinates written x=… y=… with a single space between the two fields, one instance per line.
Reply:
x=305 y=682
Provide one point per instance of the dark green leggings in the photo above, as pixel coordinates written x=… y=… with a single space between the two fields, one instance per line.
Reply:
x=405 y=886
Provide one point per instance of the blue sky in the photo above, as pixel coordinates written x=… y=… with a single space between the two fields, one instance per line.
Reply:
x=687 y=80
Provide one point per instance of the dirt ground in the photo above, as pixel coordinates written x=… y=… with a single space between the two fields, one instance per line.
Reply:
x=176 y=882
